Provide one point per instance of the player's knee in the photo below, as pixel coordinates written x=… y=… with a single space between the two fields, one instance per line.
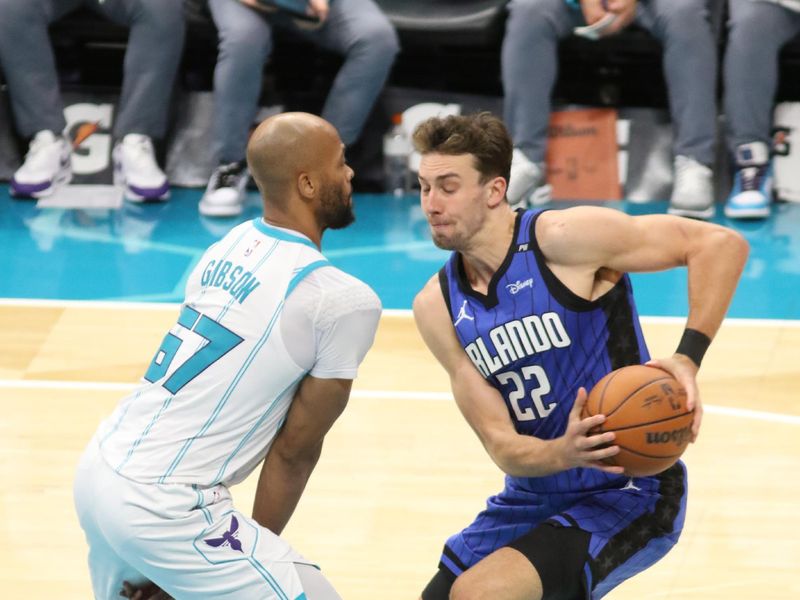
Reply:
x=469 y=586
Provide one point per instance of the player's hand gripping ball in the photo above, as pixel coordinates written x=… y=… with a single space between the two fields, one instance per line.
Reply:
x=646 y=408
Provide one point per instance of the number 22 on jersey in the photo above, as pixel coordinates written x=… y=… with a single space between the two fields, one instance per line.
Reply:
x=537 y=410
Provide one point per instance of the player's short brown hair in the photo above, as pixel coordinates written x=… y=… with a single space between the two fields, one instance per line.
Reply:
x=482 y=135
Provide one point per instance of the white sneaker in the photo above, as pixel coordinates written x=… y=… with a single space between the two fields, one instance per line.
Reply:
x=527 y=185
x=693 y=190
x=225 y=193
x=136 y=169
x=751 y=195
x=46 y=166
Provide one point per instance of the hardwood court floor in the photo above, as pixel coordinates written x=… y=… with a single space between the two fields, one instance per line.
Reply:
x=401 y=470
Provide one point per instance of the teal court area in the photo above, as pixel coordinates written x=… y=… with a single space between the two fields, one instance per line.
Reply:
x=144 y=253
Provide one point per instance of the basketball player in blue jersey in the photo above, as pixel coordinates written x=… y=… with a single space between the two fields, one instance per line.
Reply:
x=259 y=364
x=532 y=309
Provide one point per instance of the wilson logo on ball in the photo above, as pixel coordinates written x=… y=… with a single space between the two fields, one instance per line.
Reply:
x=676 y=436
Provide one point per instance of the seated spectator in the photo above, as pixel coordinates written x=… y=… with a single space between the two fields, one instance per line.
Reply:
x=750 y=82
x=357 y=29
x=154 y=51
x=529 y=65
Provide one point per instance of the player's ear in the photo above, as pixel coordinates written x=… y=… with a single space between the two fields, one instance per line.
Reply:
x=497 y=191
x=307 y=185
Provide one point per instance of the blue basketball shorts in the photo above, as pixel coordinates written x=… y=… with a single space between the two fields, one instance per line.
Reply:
x=629 y=527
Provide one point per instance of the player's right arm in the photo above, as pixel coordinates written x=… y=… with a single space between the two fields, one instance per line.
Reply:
x=484 y=408
x=329 y=323
x=295 y=451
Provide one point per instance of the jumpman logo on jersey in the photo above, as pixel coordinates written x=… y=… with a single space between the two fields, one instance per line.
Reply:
x=229 y=537
x=462 y=314
x=630 y=486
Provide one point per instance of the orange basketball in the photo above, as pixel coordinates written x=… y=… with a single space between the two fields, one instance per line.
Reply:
x=646 y=408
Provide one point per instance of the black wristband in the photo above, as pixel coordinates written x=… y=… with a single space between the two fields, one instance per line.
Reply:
x=694 y=345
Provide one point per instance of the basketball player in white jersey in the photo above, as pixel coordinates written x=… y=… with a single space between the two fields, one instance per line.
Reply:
x=259 y=364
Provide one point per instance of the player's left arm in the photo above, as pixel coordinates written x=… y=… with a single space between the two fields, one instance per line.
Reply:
x=296 y=449
x=590 y=240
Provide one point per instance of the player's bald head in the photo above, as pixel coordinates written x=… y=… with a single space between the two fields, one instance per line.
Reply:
x=285 y=145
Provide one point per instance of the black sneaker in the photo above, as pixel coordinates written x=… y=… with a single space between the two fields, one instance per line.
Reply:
x=225 y=193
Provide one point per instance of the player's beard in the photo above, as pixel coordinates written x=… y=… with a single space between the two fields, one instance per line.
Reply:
x=335 y=208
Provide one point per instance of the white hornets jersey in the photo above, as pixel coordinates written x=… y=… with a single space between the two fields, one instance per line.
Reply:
x=263 y=308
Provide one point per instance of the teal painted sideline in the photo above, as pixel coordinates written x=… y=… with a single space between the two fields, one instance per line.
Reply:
x=146 y=252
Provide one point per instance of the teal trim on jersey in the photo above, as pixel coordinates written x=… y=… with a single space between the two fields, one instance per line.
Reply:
x=302 y=273
x=227 y=252
x=253 y=429
x=259 y=264
x=281 y=235
x=268 y=577
x=144 y=433
x=121 y=417
x=182 y=452
x=301 y=597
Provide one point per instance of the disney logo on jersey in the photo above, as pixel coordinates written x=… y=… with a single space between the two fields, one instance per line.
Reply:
x=517 y=339
x=519 y=285
x=228 y=538
x=462 y=314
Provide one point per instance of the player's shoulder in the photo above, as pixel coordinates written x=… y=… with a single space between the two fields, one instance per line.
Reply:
x=339 y=289
x=429 y=307
x=430 y=293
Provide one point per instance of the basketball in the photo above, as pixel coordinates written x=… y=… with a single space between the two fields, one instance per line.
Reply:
x=646 y=408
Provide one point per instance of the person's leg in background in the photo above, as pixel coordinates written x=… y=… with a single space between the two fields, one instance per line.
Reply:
x=750 y=78
x=363 y=35
x=690 y=68
x=152 y=58
x=245 y=43
x=529 y=62
x=28 y=64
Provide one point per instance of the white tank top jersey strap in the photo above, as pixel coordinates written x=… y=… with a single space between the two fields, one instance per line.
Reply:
x=263 y=308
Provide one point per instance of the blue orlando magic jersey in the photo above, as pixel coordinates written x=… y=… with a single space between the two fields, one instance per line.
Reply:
x=537 y=342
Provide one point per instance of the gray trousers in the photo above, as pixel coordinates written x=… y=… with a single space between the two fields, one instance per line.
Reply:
x=756 y=33
x=356 y=29
x=152 y=57
x=530 y=57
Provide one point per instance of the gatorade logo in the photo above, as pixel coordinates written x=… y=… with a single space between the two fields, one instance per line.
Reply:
x=89 y=128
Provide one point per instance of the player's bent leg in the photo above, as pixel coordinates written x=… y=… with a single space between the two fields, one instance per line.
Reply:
x=438 y=587
x=505 y=574
x=315 y=585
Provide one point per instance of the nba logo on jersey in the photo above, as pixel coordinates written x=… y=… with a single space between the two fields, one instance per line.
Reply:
x=228 y=539
x=252 y=247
